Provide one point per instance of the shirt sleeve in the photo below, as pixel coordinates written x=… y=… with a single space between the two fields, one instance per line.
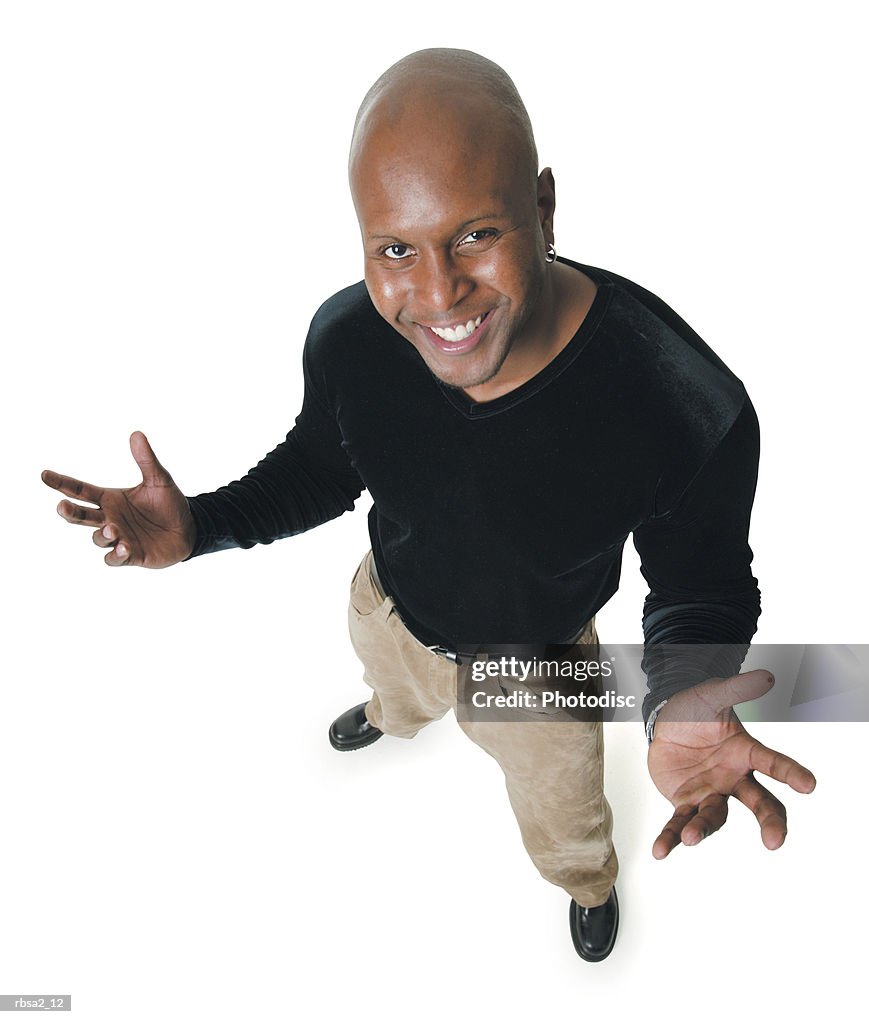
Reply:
x=697 y=562
x=305 y=481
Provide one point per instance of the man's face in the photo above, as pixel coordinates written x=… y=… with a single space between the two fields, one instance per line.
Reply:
x=452 y=230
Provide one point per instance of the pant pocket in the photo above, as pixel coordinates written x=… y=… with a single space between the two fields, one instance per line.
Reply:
x=365 y=597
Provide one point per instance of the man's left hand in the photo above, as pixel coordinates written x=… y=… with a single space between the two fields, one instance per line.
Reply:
x=701 y=755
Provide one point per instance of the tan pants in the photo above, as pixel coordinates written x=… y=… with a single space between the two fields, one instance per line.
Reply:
x=553 y=770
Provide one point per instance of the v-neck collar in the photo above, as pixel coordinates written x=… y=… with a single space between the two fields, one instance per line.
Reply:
x=478 y=410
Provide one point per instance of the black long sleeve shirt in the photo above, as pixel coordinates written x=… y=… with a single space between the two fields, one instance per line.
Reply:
x=505 y=521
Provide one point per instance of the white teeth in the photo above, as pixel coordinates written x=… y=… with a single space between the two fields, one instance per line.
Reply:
x=460 y=331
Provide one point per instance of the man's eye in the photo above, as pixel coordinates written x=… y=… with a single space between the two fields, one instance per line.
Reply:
x=483 y=235
x=396 y=251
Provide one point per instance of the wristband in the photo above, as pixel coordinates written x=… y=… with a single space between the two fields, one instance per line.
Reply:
x=650 y=725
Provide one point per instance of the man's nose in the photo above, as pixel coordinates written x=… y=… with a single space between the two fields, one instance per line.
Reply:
x=440 y=283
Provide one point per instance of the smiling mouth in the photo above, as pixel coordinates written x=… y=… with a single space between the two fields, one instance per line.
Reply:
x=458 y=338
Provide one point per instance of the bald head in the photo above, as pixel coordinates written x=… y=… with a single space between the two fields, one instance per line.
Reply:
x=456 y=222
x=465 y=98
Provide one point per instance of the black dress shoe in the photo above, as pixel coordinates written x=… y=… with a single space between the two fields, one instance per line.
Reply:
x=352 y=730
x=593 y=929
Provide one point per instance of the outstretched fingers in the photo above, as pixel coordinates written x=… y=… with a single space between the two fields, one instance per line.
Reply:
x=769 y=811
x=711 y=815
x=671 y=834
x=79 y=515
x=780 y=767
x=72 y=487
x=691 y=824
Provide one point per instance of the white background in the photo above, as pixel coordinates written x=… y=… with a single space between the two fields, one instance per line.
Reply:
x=177 y=839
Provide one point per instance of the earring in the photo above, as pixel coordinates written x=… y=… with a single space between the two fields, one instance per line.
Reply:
x=550 y=253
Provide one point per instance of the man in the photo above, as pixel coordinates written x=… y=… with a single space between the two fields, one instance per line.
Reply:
x=515 y=417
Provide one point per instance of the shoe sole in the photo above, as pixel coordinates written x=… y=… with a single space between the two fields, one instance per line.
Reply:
x=348 y=748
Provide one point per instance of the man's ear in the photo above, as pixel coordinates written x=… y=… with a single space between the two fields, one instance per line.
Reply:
x=546 y=204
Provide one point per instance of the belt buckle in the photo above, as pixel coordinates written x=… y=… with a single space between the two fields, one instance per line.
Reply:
x=445 y=652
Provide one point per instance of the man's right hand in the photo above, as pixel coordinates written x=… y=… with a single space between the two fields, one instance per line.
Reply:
x=148 y=525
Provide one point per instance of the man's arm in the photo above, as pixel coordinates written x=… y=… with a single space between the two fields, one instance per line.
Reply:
x=304 y=482
x=697 y=562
